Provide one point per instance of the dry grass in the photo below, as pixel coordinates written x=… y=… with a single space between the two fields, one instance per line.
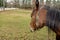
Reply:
x=14 y=25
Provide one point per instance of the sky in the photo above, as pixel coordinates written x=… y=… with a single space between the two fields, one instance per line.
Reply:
x=9 y=0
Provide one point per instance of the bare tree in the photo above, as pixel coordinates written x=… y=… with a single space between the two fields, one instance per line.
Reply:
x=48 y=2
x=41 y=2
x=4 y=4
x=17 y=3
x=33 y=3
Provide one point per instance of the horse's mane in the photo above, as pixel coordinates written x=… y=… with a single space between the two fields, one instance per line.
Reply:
x=53 y=18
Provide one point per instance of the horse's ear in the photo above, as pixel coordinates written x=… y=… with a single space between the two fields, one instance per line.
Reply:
x=37 y=4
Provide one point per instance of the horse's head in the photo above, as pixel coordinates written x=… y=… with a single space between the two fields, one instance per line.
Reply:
x=38 y=18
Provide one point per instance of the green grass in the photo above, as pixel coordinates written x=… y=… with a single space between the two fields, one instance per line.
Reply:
x=14 y=25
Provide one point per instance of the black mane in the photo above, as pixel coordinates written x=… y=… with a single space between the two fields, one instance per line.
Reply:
x=53 y=18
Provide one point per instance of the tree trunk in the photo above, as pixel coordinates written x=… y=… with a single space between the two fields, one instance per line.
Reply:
x=33 y=4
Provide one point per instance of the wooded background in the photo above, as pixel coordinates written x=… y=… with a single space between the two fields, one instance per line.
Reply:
x=28 y=3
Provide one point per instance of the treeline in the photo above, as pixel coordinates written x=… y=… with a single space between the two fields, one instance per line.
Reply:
x=54 y=3
x=28 y=3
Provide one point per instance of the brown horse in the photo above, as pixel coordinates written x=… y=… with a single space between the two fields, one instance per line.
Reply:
x=46 y=16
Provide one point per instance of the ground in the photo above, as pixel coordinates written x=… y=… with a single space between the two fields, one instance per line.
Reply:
x=14 y=25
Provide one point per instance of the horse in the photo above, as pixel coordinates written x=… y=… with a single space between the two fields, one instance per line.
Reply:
x=45 y=16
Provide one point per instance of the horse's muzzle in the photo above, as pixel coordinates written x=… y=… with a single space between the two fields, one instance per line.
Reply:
x=32 y=30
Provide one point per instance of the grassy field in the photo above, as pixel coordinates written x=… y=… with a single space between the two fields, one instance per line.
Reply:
x=14 y=25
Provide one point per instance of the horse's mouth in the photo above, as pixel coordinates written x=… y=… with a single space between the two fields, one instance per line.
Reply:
x=33 y=30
